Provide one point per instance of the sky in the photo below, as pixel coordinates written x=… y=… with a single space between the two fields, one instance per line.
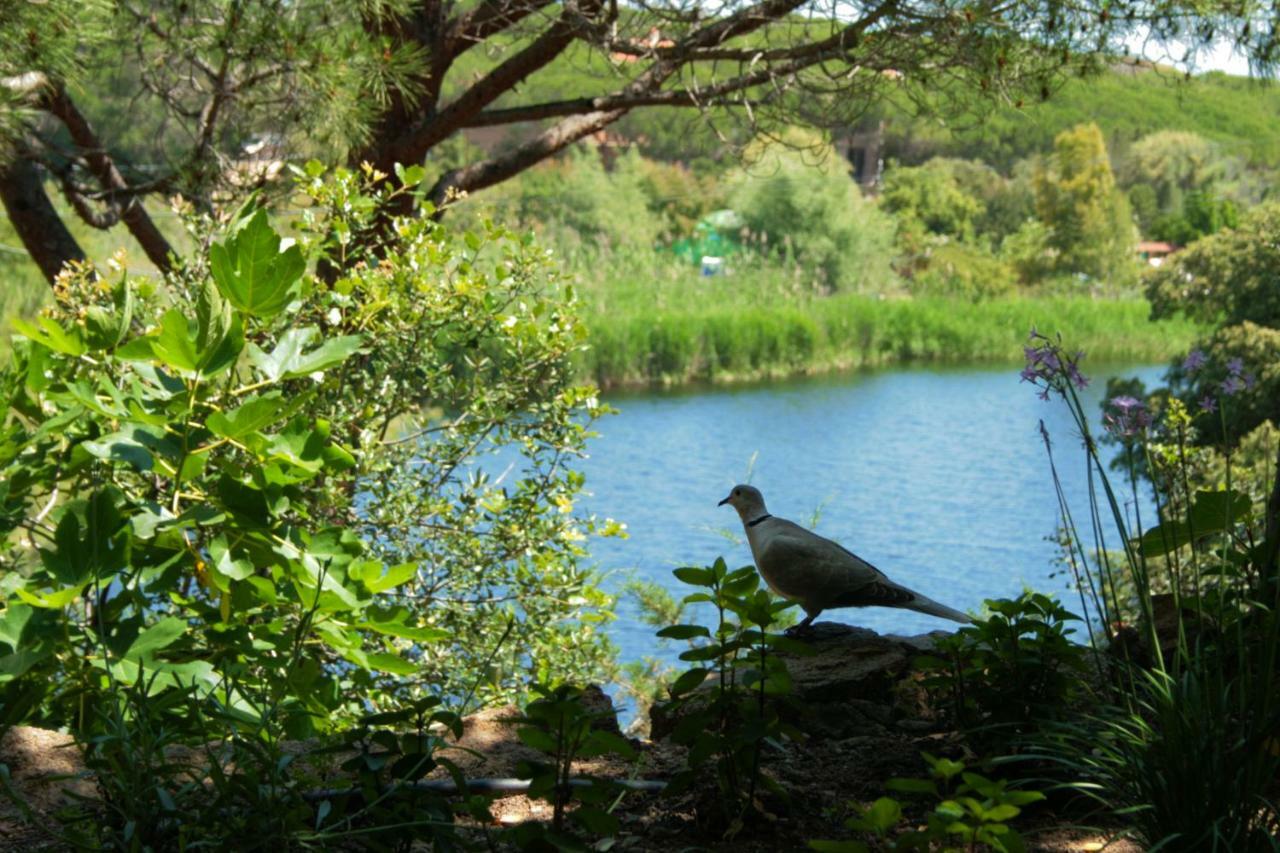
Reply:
x=1223 y=57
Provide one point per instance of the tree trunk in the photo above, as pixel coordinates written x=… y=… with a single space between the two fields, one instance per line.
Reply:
x=39 y=227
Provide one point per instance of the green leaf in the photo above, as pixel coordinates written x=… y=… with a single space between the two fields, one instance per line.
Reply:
x=53 y=600
x=122 y=447
x=882 y=816
x=535 y=738
x=252 y=270
x=702 y=653
x=689 y=681
x=52 y=336
x=695 y=576
x=13 y=621
x=18 y=663
x=419 y=634
x=1001 y=813
x=395 y=576
x=225 y=566
x=223 y=352
x=839 y=846
x=290 y=360
x=596 y=820
x=394 y=664
x=410 y=176
x=174 y=344
x=138 y=349
x=160 y=635
x=1211 y=512
x=102 y=326
x=1022 y=798
x=912 y=786
x=950 y=810
x=684 y=632
x=213 y=315
x=600 y=742
x=332 y=351
x=250 y=416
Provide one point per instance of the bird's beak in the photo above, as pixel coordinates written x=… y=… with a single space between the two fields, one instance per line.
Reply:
x=725 y=501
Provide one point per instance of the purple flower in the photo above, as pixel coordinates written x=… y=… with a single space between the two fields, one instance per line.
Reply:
x=1077 y=378
x=1051 y=369
x=1232 y=385
x=1194 y=361
x=1129 y=418
x=1250 y=380
x=1235 y=366
x=1208 y=404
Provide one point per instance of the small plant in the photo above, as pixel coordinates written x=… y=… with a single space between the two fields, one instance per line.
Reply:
x=393 y=751
x=728 y=726
x=1014 y=667
x=559 y=724
x=972 y=813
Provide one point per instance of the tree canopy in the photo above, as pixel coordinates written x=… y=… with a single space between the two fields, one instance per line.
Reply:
x=195 y=85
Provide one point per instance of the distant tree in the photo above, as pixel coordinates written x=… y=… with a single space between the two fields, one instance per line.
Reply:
x=1173 y=163
x=807 y=208
x=580 y=200
x=1088 y=219
x=931 y=197
x=388 y=81
x=1231 y=279
x=1202 y=214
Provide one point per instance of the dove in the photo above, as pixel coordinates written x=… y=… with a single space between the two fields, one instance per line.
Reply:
x=819 y=574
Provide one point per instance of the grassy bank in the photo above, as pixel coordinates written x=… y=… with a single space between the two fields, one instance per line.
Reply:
x=725 y=329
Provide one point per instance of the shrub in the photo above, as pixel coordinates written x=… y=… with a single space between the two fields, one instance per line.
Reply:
x=727 y=726
x=957 y=271
x=813 y=214
x=1013 y=669
x=232 y=500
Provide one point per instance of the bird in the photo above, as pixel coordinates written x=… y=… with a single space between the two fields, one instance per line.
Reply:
x=819 y=574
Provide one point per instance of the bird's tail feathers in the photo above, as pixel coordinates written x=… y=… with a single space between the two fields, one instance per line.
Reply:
x=933 y=608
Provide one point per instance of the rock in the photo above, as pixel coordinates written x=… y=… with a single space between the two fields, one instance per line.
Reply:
x=856 y=681
x=600 y=705
x=1133 y=642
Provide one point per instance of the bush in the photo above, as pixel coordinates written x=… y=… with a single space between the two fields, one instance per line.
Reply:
x=811 y=213
x=211 y=469
x=576 y=201
x=957 y=271
x=1015 y=668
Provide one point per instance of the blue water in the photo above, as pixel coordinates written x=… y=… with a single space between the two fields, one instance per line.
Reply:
x=937 y=476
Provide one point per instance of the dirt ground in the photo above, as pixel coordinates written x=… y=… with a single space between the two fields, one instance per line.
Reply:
x=823 y=778
x=856 y=700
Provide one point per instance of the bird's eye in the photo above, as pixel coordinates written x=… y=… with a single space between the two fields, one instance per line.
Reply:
x=737 y=492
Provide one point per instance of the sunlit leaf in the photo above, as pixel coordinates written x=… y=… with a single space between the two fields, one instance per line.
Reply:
x=254 y=270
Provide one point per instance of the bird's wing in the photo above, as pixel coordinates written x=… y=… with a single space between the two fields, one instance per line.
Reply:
x=803 y=565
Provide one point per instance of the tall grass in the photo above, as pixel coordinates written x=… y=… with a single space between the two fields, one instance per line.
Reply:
x=654 y=321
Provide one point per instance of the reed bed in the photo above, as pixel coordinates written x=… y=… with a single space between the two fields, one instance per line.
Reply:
x=672 y=327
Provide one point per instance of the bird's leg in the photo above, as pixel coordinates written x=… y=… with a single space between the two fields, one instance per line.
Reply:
x=803 y=627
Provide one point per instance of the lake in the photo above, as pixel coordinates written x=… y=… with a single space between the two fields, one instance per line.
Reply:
x=936 y=476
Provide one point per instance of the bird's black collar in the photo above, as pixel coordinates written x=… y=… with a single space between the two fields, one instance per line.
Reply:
x=764 y=517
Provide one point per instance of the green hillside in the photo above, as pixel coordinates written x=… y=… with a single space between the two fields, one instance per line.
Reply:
x=1240 y=114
